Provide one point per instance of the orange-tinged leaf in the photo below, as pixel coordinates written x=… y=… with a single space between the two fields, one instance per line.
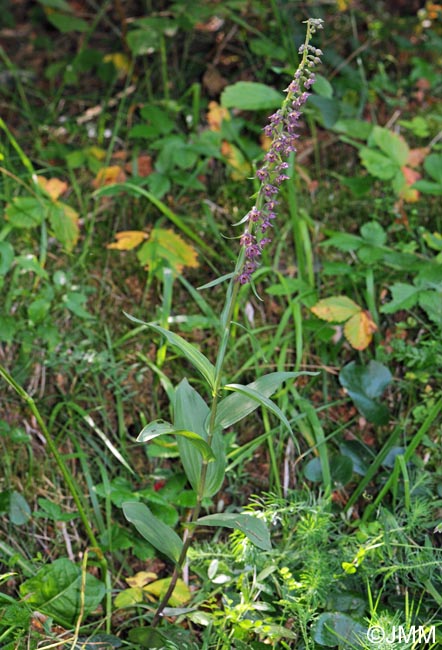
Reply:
x=336 y=309
x=141 y=579
x=359 y=329
x=53 y=187
x=235 y=158
x=109 y=176
x=408 y=193
x=215 y=115
x=166 y=248
x=128 y=239
x=417 y=156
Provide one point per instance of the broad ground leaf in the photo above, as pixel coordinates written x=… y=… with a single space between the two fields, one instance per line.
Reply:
x=237 y=406
x=189 y=351
x=25 y=212
x=6 y=257
x=359 y=330
x=216 y=115
x=333 y=629
x=53 y=187
x=109 y=176
x=56 y=591
x=180 y=595
x=392 y=144
x=64 y=224
x=167 y=247
x=336 y=309
x=255 y=529
x=404 y=296
x=365 y=384
x=250 y=96
x=377 y=164
x=157 y=533
x=160 y=428
x=127 y=240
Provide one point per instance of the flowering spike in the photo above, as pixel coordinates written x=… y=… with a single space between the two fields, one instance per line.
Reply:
x=281 y=128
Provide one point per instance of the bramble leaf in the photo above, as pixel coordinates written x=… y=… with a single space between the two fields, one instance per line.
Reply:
x=336 y=309
x=127 y=240
x=359 y=330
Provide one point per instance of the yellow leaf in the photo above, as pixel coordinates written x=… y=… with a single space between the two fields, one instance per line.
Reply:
x=128 y=239
x=129 y=597
x=121 y=61
x=96 y=152
x=141 y=579
x=53 y=187
x=235 y=158
x=165 y=247
x=180 y=595
x=109 y=176
x=336 y=309
x=359 y=330
x=407 y=192
x=215 y=115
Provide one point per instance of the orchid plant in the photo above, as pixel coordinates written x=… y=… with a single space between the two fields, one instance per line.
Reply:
x=198 y=424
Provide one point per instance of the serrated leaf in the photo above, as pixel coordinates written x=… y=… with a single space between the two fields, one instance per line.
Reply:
x=255 y=529
x=64 y=224
x=373 y=233
x=237 y=406
x=167 y=247
x=160 y=428
x=24 y=212
x=404 y=296
x=157 y=533
x=392 y=144
x=377 y=164
x=189 y=351
x=336 y=309
x=359 y=329
x=261 y=399
x=251 y=96
x=127 y=240
x=53 y=187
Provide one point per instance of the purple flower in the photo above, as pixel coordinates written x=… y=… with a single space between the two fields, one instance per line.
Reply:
x=282 y=129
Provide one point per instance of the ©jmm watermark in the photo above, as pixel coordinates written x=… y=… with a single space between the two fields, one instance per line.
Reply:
x=402 y=634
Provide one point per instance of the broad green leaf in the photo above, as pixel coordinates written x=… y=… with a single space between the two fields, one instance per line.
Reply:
x=156 y=532
x=38 y=310
x=373 y=233
x=255 y=529
x=237 y=406
x=261 y=400
x=377 y=164
x=327 y=108
x=353 y=128
x=74 y=301
x=392 y=144
x=336 y=309
x=433 y=167
x=6 y=257
x=19 y=510
x=24 y=212
x=404 y=296
x=189 y=351
x=431 y=303
x=427 y=187
x=56 y=590
x=364 y=384
x=333 y=629
x=66 y=23
x=166 y=247
x=64 y=224
x=341 y=469
x=191 y=413
x=323 y=87
x=251 y=96
x=160 y=428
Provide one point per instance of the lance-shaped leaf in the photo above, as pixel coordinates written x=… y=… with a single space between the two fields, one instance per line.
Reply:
x=237 y=406
x=157 y=533
x=189 y=351
x=255 y=529
x=161 y=428
x=262 y=400
x=191 y=413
